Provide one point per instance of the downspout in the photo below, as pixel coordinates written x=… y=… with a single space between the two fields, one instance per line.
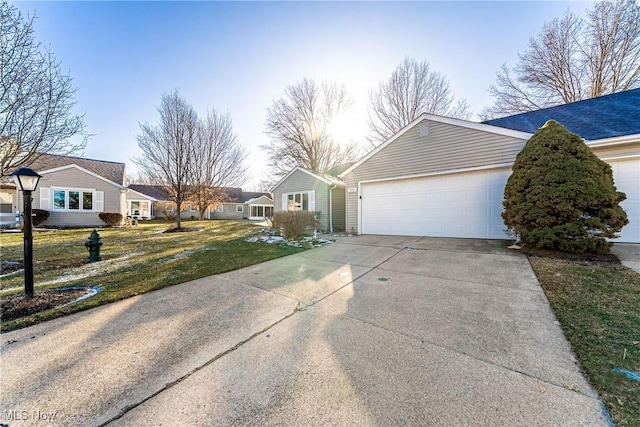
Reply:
x=331 y=208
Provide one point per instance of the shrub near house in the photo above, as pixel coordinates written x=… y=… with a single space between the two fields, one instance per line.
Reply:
x=561 y=195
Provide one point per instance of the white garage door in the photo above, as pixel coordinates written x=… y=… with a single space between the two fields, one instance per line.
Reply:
x=626 y=175
x=456 y=205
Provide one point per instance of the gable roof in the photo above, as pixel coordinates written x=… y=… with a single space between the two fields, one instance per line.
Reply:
x=249 y=196
x=327 y=179
x=154 y=191
x=603 y=117
x=112 y=171
x=264 y=198
x=440 y=119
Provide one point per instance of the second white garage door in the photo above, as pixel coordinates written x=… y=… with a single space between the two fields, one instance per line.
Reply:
x=456 y=205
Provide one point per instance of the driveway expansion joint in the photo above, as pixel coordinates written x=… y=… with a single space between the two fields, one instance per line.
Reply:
x=171 y=384
x=434 y=344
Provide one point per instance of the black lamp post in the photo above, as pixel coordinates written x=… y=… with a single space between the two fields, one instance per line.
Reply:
x=27 y=180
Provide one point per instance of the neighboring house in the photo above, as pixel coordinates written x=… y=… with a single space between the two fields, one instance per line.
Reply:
x=445 y=177
x=303 y=190
x=74 y=190
x=237 y=204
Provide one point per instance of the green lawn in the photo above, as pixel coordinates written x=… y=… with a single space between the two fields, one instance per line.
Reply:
x=134 y=261
x=598 y=306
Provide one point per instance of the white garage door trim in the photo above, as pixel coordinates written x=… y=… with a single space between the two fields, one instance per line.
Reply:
x=626 y=176
x=477 y=220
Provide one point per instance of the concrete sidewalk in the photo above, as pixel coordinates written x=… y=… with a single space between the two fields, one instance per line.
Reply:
x=628 y=254
x=370 y=330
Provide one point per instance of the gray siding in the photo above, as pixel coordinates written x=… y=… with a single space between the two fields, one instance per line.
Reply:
x=339 y=214
x=301 y=181
x=73 y=178
x=446 y=147
x=622 y=150
x=229 y=212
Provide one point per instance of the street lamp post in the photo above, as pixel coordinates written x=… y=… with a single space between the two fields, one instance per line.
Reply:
x=27 y=180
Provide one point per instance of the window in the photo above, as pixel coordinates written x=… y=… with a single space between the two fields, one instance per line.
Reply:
x=140 y=208
x=59 y=199
x=239 y=208
x=87 y=201
x=298 y=201
x=257 y=211
x=73 y=200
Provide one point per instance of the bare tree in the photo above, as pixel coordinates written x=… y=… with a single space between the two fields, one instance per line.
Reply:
x=168 y=149
x=299 y=125
x=413 y=88
x=573 y=58
x=36 y=98
x=218 y=161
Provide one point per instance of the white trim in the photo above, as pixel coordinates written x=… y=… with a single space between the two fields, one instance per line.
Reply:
x=241 y=206
x=252 y=201
x=82 y=191
x=616 y=140
x=311 y=200
x=446 y=172
x=440 y=119
x=631 y=156
x=122 y=187
x=308 y=172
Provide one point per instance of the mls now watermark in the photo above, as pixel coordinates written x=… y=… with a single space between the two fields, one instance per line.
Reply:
x=29 y=416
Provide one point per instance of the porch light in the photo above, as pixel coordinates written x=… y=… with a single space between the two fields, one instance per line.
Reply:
x=27 y=180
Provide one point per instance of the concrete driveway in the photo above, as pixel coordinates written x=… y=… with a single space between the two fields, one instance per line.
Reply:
x=370 y=330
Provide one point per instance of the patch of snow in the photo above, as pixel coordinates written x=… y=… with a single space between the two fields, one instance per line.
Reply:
x=94 y=268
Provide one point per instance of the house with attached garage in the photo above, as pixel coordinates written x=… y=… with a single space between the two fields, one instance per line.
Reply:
x=74 y=190
x=441 y=176
x=304 y=190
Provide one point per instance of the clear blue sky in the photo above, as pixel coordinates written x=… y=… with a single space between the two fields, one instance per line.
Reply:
x=239 y=56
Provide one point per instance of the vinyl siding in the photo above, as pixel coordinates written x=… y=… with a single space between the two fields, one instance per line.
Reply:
x=301 y=181
x=229 y=212
x=71 y=179
x=339 y=214
x=622 y=150
x=446 y=147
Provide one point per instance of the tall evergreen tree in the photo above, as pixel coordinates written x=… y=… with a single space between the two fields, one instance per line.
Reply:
x=561 y=195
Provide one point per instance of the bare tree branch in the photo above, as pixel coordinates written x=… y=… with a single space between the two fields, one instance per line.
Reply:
x=36 y=98
x=413 y=88
x=168 y=149
x=299 y=125
x=219 y=161
x=573 y=58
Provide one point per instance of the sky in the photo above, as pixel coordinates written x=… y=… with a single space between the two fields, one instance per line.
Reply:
x=238 y=57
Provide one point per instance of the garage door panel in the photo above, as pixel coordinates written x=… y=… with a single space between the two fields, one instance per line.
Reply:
x=626 y=175
x=460 y=205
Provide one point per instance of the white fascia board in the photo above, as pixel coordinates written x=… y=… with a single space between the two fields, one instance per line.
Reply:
x=256 y=199
x=440 y=119
x=121 y=187
x=153 y=199
x=616 y=140
x=437 y=173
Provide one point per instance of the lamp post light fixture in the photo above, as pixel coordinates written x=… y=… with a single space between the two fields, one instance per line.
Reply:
x=27 y=180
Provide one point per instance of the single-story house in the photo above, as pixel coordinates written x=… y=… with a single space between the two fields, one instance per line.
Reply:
x=236 y=204
x=74 y=190
x=441 y=176
x=304 y=190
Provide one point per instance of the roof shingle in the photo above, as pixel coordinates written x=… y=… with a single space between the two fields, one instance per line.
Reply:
x=606 y=116
x=113 y=171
